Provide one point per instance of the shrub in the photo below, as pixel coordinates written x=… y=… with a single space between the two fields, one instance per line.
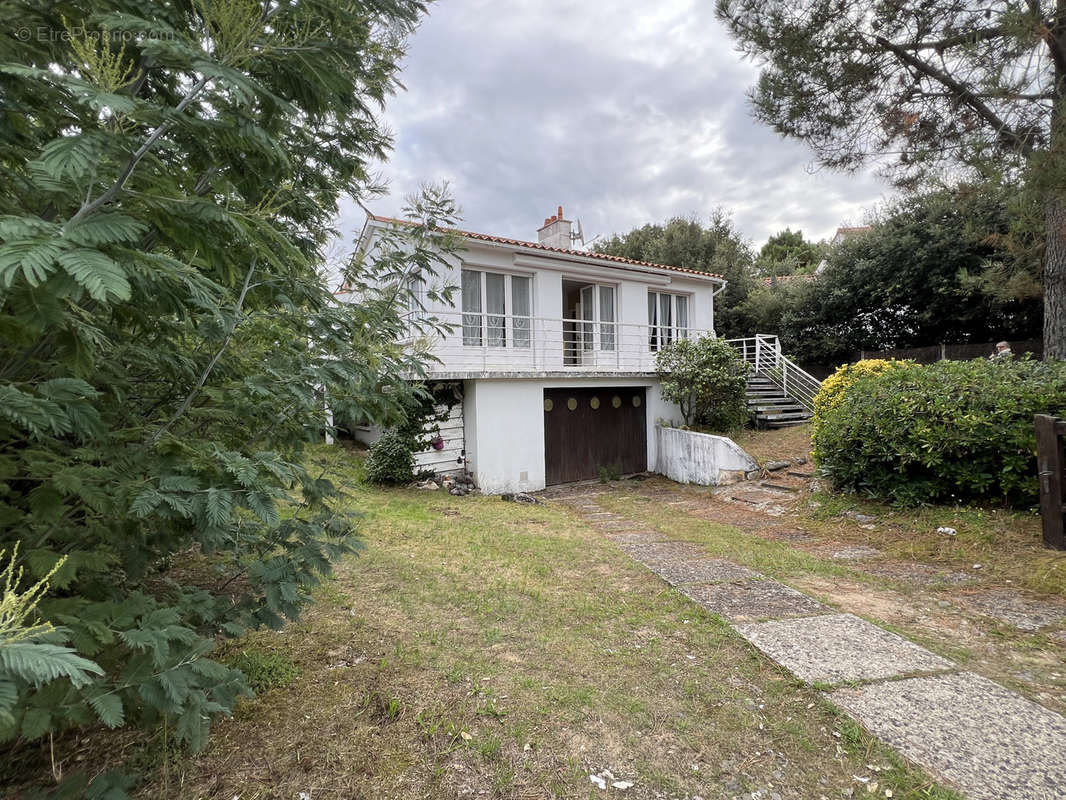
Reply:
x=951 y=431
x=836 y=386
x=390 y=460
x=264 y=670
x=707 y=379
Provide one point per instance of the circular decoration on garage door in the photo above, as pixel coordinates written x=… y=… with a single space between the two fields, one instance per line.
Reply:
x=572 y=403
x=548 y=404
x=616 y=401
x=595 y=403
x=636 y=401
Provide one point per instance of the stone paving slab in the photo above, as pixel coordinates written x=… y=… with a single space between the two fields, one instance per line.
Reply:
x=708 y=570
x=920 y=574
x=1015 y=609
x=636 y=537
x=616 y=525
x=846 y=552
x=656 y=553
x=840 y=648
x=751 y=601
x=986 y=740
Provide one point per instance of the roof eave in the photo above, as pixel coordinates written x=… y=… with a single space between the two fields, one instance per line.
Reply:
x=543 y=252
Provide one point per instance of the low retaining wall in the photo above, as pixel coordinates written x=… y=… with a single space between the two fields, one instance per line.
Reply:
x=700 y=458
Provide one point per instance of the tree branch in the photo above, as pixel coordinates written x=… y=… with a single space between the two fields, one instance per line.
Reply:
x=90 y=206
x=214 y=359
x=969 y=37
x=963 y=93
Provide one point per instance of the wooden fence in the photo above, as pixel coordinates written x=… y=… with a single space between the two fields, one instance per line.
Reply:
x=956 y=352
x=1051 y=465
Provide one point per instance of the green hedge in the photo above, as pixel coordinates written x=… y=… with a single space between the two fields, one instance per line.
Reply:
x=946 y=432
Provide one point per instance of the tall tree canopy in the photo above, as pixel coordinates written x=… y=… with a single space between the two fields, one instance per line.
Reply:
x=716 y=247
x=787 y=253
x=925 y=87
x=171 y=172
x=910 y=281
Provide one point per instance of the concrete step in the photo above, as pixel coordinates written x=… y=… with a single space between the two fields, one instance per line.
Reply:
x=771 y=401
x=777 y=419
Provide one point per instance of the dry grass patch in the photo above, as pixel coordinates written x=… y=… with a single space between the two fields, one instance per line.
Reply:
x=483 y=647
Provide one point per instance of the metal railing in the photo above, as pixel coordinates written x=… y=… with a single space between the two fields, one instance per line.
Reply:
x=509 y=343
x=764 y=354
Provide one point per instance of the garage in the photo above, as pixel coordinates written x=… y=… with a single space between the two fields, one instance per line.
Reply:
x=586 y=429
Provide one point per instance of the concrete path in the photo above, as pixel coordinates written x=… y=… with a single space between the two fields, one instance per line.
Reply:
x=969 y=732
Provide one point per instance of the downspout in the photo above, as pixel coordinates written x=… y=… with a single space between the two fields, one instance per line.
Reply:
x=714 y=294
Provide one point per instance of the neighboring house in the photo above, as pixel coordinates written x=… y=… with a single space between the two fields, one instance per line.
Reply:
x=553 y=355
x=841 y=235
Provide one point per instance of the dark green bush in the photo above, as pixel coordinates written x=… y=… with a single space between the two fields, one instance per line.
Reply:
x=263 y=669
x=707 y=379
x=390 y=459
x=946 y=432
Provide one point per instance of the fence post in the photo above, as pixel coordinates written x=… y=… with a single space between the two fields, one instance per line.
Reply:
x=1049 y=435
x=943 y=352
x=756 y=352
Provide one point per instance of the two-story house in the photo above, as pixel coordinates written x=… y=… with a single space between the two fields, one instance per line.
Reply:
x=552 y=351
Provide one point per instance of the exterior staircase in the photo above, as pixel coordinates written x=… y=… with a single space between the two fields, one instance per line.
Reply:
x=771 y=407
x=780 y=393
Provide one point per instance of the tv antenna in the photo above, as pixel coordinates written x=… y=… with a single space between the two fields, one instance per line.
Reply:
x=579 y=236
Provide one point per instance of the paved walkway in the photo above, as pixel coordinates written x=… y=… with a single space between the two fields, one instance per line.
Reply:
x=967 y=731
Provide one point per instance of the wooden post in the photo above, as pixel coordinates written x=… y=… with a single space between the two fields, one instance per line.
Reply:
x=1049 y=458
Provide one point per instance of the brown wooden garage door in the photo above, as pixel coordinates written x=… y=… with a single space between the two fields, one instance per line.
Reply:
x=585 y=429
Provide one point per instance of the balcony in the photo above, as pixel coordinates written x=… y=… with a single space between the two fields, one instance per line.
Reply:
x=482 y=345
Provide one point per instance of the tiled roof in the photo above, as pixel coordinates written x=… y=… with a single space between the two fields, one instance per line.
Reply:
x=859 y=229
x=485 y=237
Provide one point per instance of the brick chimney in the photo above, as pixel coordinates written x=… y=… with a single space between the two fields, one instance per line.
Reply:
x=556 y=232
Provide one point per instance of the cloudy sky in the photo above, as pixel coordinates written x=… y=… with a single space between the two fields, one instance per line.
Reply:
x=624 y=112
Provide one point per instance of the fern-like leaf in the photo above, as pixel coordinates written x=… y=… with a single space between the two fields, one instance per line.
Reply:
x=98 y=273
x=41 y=662
x=108 y=708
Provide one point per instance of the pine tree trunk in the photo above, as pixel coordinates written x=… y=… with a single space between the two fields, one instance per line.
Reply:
x=1055 y=280
x=1055 y=203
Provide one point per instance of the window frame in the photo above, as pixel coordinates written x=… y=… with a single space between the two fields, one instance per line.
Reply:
x=659 y=334
x=510 y=335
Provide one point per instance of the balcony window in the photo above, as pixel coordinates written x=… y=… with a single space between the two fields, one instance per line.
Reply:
x=607 y=320
x=497 y=309
x=521 y=310
x=471 y=288
x=667 y=318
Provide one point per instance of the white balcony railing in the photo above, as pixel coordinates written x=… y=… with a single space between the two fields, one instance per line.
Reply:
x=506 y=343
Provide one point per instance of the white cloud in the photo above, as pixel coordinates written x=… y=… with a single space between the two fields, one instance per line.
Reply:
x=625 y=114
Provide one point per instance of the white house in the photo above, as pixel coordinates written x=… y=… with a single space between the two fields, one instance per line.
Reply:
x=553 y=355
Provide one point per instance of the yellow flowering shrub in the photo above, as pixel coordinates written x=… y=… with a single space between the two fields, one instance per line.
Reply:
x=836 y=386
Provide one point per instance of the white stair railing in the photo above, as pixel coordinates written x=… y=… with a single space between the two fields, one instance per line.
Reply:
x=763 y=352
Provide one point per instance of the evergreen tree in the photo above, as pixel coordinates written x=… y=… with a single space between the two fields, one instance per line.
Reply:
x=170 y=174
x=929 y=88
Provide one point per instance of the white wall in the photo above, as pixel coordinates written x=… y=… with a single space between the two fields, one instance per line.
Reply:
x=701 y=458
x=548 y=273
x=505 y=428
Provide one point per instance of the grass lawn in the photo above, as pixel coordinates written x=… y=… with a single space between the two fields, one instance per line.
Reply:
x=485 y=648
x=920 y=583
